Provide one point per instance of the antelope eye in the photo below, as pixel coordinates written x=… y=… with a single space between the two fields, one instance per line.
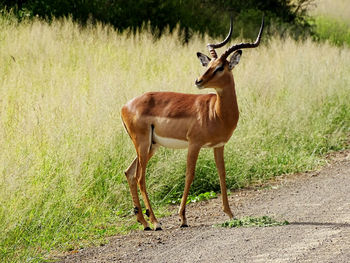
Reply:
x=218 y=68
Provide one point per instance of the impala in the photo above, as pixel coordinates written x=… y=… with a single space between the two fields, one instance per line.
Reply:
x=193 y=121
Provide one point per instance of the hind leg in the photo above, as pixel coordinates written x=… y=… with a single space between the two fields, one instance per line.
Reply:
x=136 y=174
x=145 y=153
x=130 y=174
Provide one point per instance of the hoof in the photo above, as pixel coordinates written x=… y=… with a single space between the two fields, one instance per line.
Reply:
x=147 y=229
x=158 y=228
x=184 y=225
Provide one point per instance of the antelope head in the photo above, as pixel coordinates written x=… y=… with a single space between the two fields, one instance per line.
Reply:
x=218 y=72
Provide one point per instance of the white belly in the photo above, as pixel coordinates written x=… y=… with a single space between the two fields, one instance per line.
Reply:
x=170 y=142
x=178 y=144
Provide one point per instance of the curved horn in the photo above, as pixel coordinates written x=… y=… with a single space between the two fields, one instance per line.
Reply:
x=245 y=45
x=212 y=47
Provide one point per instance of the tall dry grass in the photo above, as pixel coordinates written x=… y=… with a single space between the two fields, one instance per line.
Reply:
x=63 y=149
x=336 y=9
x=331 y=20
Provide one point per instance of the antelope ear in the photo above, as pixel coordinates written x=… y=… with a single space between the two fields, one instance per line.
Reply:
x=234 y=60
x=203 y=58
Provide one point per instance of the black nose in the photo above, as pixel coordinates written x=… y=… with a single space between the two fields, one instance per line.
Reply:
x=198 y=82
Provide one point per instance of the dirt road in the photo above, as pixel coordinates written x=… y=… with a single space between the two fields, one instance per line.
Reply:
x=317 y=205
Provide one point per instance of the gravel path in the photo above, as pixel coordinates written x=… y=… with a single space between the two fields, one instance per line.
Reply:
x=317 y=205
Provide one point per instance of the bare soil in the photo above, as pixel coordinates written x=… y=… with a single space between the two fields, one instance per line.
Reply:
x=316 y=204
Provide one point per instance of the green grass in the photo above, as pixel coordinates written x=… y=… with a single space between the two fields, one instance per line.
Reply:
x=195 y=198
x=248 y=221
x=64 y=150
x=335 y=31
x=336 y=9
x=331 y=20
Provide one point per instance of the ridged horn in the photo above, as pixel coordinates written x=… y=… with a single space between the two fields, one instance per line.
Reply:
x=212 y=47
x=245 y=45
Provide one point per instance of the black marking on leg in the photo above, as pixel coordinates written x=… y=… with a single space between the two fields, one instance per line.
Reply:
x=184 y=225
x=136 y=210
x=147 y=228
x=147 y=212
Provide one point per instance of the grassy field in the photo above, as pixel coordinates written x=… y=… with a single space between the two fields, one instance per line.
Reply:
x=337 y=9
x=63 y=149
x=332 y=21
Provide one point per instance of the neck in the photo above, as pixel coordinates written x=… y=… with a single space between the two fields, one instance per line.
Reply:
x=226 y=106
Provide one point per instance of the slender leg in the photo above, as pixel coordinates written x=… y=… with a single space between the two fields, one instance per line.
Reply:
x=220 y=164
x=131 y=177
x=132 y=168
x=144 y=158
x=192 y=156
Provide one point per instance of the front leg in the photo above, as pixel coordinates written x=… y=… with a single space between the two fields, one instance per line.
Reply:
x=192 y=156
x=220 y=164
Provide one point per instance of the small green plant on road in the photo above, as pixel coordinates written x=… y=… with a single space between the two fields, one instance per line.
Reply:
x=195 y=198
x=248 y=221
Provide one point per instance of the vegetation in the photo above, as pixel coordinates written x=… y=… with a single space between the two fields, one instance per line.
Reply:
x=63 y=148
x=331 y=22
x=336 y=9
x=335 y=31
x=263 y=221
x=192 y=16
x=195 y=198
